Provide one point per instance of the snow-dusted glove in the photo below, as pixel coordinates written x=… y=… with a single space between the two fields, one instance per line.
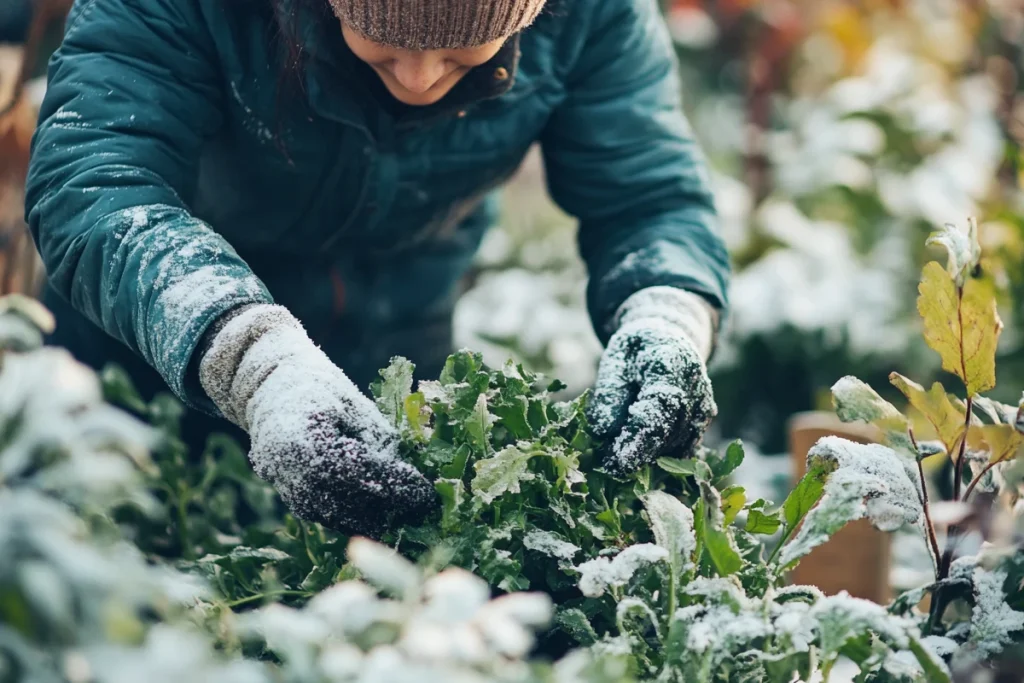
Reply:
x=653 y=397
x=321 y=443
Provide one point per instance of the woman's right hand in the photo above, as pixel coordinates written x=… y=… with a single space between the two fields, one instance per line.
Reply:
x=316 y=438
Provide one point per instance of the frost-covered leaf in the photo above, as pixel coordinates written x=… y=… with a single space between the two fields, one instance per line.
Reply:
x=600 y=574
x=502 y=473
x=868 y=480
x=963 y=249
x=947 y=418
x=962 y=325
x=929 y=652
x=550 y=544
x=1001 y=441
x=383 y=567
x=672 y=524
x=478 y=425
x=451 y=492
x=856 y=401
x=634 y=610
x=994 y=624
x=574 y=621
x=393 y=388
x=723 y=626
x=842 y=618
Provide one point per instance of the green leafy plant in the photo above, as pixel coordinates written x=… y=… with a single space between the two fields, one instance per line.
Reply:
x=961 y=323
x=669 y=574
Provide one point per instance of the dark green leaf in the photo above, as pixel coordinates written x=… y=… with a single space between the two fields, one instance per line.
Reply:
x=457 y=467
x=512 y=412
x=460 y=366
x=478 y=426
x=575 y=622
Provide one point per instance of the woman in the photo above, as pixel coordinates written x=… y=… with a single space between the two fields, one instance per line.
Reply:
x=266 y=200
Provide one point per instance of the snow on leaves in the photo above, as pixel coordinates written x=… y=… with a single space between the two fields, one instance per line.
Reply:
x=550 y=544
x=672 y=524
x=502 y=473
x=869 y=481
x=856 y=401
x=994 y=624
x=601 y=574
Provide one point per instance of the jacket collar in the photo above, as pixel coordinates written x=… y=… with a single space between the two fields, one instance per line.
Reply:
x=344 y=88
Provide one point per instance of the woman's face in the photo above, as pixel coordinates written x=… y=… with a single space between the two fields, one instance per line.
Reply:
x=418 y=78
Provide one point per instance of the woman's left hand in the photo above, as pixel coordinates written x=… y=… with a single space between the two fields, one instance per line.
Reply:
x=653 y=397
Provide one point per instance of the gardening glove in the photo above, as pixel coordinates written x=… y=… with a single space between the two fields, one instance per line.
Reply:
x=316 y=438
x=653 y=396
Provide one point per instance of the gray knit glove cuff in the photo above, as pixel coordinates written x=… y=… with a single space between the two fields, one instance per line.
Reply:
x=690 y=312
x=230 y=374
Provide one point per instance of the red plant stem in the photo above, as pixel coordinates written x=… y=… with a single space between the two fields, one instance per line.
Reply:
x=970 y=487
x=959 y=469
x=923 y=497
x=939 y=599
x=928 y=518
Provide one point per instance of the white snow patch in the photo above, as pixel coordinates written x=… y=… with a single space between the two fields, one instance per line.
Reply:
x=600 y=574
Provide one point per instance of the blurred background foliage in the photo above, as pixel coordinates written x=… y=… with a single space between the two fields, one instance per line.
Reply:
x=840 y=134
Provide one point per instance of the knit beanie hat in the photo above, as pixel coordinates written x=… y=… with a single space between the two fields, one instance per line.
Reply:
x=437 y=24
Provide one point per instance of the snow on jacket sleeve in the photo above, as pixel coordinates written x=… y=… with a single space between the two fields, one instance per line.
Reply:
x=620 y=157
x=132 y=93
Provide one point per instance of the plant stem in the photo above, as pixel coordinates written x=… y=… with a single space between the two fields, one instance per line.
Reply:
x=959 y=469
x=939 y=599
x=261 y=596
x=933 y=541
x=826 y=669
x=974 y=482
x=782 y=542
x=923 y=497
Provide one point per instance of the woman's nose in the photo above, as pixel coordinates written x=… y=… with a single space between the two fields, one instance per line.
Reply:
x=419 y=73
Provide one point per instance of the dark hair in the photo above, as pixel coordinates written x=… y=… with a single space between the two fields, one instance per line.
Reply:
x=289 y=16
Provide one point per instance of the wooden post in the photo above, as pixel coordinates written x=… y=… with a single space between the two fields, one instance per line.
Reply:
x=857 y=558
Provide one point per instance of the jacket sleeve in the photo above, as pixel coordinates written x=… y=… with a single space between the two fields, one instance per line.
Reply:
x=620 y=157
x=133 y=92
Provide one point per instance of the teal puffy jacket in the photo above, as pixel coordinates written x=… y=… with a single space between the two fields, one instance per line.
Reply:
x=178 y=172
